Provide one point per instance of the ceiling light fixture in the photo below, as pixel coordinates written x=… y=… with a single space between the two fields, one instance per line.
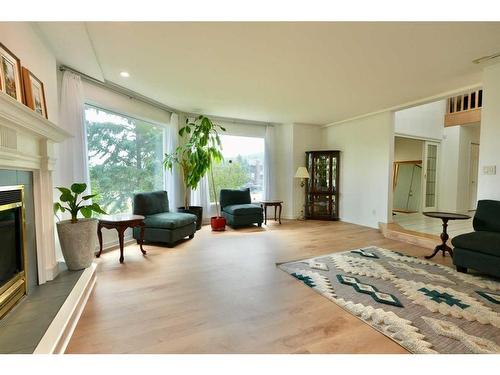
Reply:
x=486 y=58
x=125 y=74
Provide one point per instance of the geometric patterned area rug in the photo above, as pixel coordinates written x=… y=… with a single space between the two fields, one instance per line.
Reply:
x=423 y=306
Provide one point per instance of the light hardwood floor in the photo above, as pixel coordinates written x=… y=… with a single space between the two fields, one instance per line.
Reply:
x=423 y=224
x=222 y=293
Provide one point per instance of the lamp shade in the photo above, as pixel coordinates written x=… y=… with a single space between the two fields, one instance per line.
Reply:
x=302 y=173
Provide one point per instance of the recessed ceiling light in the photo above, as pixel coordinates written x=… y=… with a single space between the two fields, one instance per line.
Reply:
x=125 y=74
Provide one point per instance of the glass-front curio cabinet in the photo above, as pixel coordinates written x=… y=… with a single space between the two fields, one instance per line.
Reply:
x=322 y=188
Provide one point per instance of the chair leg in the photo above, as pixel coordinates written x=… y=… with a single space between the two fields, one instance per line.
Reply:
x=259 y=224
x=461 y=269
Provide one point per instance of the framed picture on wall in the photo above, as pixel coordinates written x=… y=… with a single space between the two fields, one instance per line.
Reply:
x=34 y=93
x=10 y=74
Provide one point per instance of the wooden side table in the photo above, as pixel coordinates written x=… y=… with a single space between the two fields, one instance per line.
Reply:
x=120 y=222
x=275 y=204
x=444 y=216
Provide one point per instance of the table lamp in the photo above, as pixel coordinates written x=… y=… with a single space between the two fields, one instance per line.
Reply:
x=303 y=174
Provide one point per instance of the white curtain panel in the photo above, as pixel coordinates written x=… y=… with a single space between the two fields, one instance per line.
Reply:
x=201 y=197
x=172 y=180
x=269 y=184
x=72 y=163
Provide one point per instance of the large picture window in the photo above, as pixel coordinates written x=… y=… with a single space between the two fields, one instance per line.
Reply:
x=125 y=156
x=243 y=165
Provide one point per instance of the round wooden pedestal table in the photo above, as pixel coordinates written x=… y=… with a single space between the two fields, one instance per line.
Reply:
x=120 y=222
x=274 y=203
x=445 y=217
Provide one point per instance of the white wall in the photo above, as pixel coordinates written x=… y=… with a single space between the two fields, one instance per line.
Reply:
x=489 y=150
x=406 y=149
x=305 y=138
x=424 y=121
x=291 y=143
x=367 y=147
x=23 y=40
x=468 y=134
x=453 y=178
x=448 y=169
x=283 y=167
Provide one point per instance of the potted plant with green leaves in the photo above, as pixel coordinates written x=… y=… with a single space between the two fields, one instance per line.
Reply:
x=195 y=157
x=181 y=157
x=77 y=235
x=218 y=223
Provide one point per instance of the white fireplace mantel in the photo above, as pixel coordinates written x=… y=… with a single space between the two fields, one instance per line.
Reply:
x=27 y=143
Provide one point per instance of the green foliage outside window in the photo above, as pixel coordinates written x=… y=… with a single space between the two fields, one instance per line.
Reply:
x=228 y=175
x=125 y=157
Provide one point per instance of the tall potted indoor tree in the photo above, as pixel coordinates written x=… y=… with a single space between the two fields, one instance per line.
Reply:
x=218 y=223
x=181 y=157
x=77 y=235
x=195 y=157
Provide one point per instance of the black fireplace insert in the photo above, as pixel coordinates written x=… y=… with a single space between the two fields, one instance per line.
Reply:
x=12 y=255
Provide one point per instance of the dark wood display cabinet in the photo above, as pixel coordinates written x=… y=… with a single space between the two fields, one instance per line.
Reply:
x=322 y=188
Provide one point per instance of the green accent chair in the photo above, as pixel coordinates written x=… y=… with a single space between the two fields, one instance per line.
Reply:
x=161 y=225
x=238 y=209
x=480 y=250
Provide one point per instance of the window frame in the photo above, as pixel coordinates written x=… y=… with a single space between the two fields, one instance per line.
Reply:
x=232 y=134
x=125 y=114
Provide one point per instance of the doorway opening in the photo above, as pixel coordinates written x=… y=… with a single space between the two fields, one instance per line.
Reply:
x=415 y=180
x=435 y=168
x=407 y=181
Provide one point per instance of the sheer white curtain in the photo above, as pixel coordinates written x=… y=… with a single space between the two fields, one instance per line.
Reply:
x=269 y=192
x=172 y=180
x=72 y=162
x=201 y=197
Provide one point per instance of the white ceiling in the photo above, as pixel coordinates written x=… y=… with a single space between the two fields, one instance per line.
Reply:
x=311 y=72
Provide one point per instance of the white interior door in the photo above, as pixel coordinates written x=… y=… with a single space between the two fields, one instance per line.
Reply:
x=473 y=173
x=429 y=182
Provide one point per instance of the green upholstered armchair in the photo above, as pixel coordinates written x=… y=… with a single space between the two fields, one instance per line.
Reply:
x=161 y=225
x=238 y=209
x=480 y=250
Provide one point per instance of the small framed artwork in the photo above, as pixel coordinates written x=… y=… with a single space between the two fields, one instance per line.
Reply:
x=10 y=74
x=34 y=93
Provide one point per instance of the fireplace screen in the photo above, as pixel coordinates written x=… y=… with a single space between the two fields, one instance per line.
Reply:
x=12 y=256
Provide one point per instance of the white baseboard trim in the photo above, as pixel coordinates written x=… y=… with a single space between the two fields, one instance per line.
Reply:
x=56 y=338
x=52 y=272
